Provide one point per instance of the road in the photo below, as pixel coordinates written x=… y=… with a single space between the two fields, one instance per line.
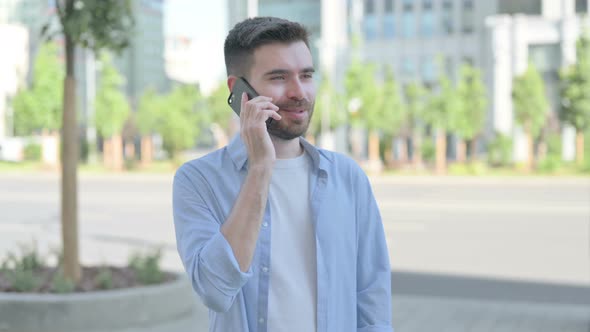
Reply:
x=452 y=241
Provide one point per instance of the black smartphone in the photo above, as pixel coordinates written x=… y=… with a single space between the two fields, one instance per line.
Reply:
x=235 y=97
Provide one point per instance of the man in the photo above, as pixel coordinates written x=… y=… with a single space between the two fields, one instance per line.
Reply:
x=274 y=233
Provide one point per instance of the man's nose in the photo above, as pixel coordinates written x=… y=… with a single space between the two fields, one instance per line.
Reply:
x=295 y=90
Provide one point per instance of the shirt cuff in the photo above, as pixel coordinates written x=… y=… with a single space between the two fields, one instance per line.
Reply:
x=224 y=271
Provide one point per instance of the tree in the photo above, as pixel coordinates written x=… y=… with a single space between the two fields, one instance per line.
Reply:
x=112 y=109
x=443 y=106
x=149 y=112
x=93 y=24
x=415 y=105
x=219 y=114
x=530 y=107
x=575 y=93
x=468 y=121
x=40 y=107
x=184 y=117
x=328 y=110
x=392 y=113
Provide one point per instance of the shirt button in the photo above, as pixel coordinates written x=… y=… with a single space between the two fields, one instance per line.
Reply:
x=264 y=269
x=261 y=320
x=265 y=224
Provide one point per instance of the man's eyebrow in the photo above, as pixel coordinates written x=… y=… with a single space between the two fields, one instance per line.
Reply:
x=285 y=71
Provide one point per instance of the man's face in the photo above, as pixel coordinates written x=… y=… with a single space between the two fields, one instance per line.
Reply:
x=284 y=72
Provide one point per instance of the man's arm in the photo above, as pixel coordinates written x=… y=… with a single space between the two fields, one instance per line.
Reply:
x=218 y=258
x=373 y=270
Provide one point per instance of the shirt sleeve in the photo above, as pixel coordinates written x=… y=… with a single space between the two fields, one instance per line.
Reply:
x=205 y=253
x=373 y=270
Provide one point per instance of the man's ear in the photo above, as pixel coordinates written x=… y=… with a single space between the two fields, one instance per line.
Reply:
x=231 y=80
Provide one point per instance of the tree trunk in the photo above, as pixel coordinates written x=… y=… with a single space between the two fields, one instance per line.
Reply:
x=107 y=153
x=117 y=150
x=374 y=146
x=579 y=147
x=531 y=151
x=374 y=158
x=403 y=151
x=69 y=183
x=461 y=150
x=416 y=150
x=441 y=151
x=472 y=147
x=130 y=150
x=147 y=150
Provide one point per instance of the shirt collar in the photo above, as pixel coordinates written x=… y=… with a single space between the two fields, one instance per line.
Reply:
x=239 y=155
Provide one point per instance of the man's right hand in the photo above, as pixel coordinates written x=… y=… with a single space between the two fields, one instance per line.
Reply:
x=253 y=116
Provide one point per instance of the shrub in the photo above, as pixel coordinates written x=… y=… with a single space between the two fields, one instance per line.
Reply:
x=500 y=150
x=147 y=267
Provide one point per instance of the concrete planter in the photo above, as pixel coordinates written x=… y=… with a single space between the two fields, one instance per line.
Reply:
x=110 y=310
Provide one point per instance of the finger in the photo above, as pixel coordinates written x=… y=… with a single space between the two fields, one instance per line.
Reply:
x=244 y=101
x=261 y=98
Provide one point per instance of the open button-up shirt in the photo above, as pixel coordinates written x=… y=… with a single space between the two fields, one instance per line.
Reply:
x=353 y=272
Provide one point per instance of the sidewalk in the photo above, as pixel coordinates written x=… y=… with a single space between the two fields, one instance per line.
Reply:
x=427 y=314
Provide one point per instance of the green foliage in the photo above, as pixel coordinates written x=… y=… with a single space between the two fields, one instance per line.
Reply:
x=185 y=116
x=150 y=110
x=328 y=107
x=20 y=269
x=529 y=100
x=500 y=150
x=112 y=108
x=40 y=106
x=443 y=105
x=552 y=161
x=428 y=150
x=218 y=111
x=32 y=152
x=147 y=267
x=104 y=278
x=575 y=87
x=415 y=102
x=60 y=284
x=96 y=24
x=469 y=119
x=391 y=116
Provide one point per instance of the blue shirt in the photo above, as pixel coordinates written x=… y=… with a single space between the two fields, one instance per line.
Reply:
x=353 y=272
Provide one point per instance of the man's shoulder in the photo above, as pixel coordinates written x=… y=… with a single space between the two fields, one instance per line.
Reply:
x=211 y=162
x=341 y=162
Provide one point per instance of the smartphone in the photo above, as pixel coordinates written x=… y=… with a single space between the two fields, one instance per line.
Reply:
x=235 y=97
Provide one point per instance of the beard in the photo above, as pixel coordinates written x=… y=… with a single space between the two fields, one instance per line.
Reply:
x=288 y=129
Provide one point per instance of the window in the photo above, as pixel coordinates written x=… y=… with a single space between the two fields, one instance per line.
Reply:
x=369 y=7
x=408 y=5
x=426 y=4
x=427 y=24
x=467 y=16
x=428 y=69
x=389 y=6
x=408 y=25
x=370 y=27
x=447 y=17
x=389 y=26
x=529 y=7
x=582 y=6
x=408 y=67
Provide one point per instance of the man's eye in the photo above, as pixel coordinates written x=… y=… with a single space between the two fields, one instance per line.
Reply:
x=274 y=78
x=307 y=75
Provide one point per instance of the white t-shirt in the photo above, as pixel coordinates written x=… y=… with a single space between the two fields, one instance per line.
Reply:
x=293 y=276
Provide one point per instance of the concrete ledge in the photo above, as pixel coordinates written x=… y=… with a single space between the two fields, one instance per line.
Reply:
x=110 y=310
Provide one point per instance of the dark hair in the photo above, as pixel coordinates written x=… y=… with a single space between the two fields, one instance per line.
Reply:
x=252 y=33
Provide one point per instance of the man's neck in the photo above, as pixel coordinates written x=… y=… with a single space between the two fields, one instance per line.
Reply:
x=287 y=149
